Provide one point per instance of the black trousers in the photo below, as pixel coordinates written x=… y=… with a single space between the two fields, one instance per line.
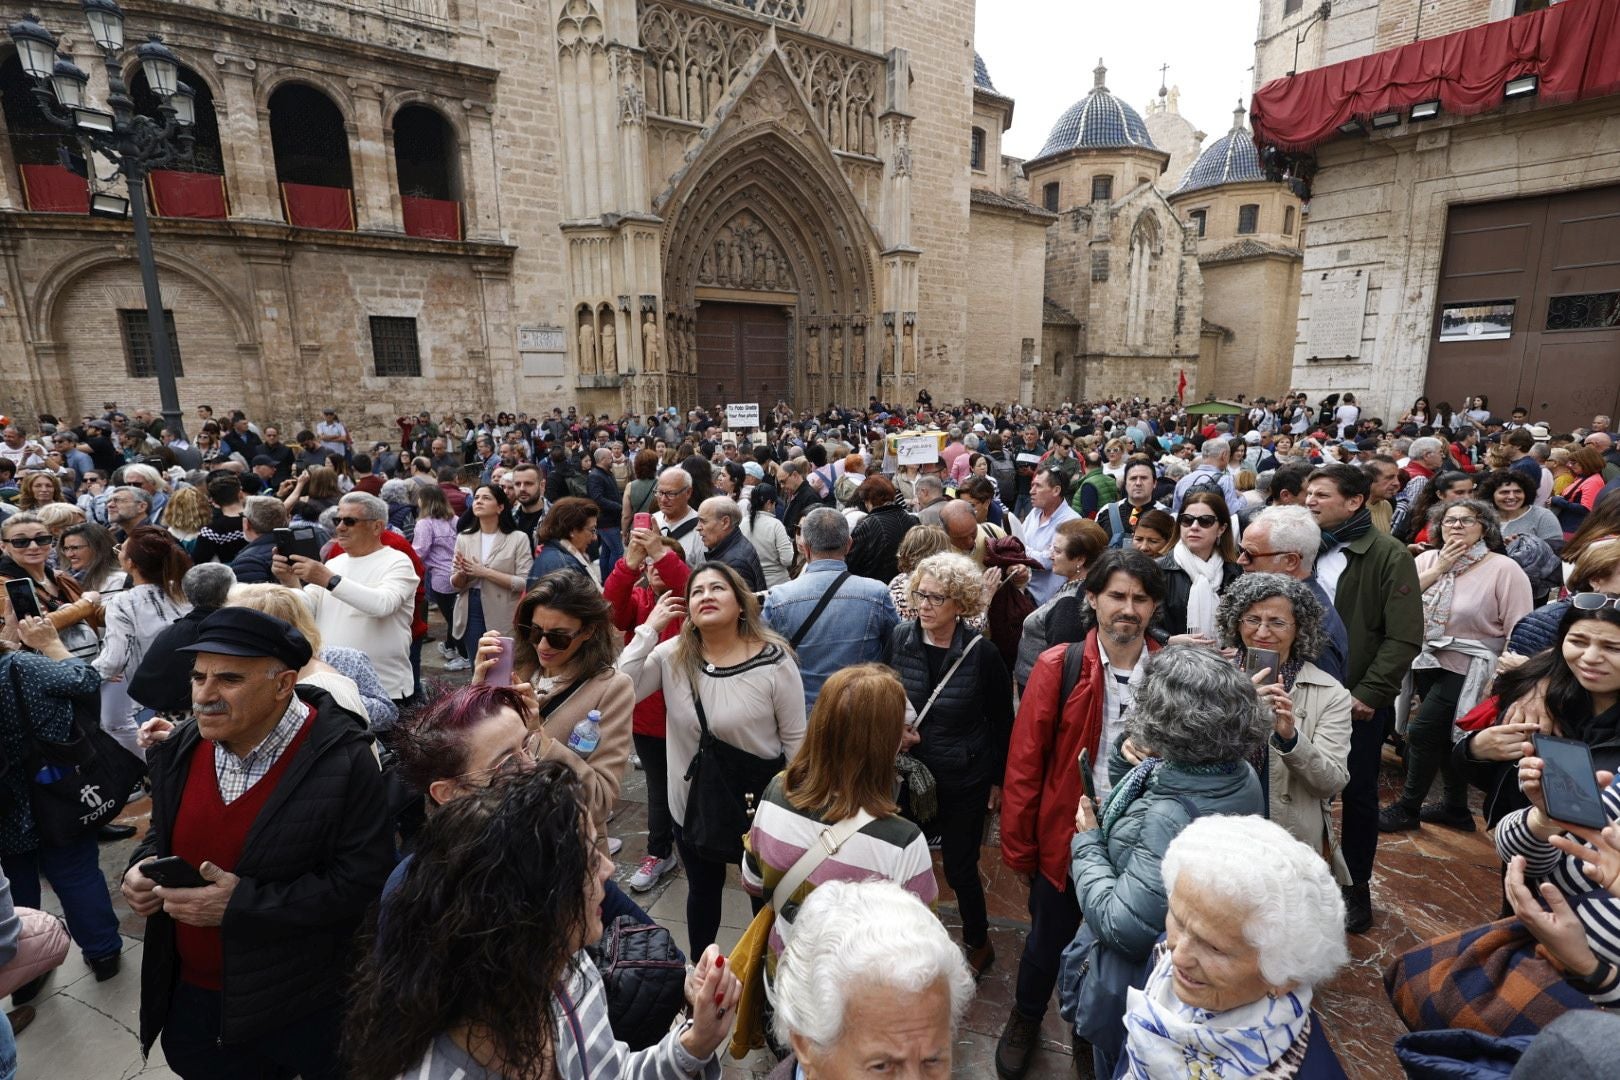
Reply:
x=1359 y=837
x=960 y=827
x=654 y=753
x=705 y=884
x=306 y=1047
x=1428 y=741
x=1054 y=919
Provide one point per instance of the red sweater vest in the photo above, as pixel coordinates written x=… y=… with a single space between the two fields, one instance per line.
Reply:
x=207 y=830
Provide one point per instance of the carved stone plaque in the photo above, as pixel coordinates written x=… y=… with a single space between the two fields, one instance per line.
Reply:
x=1338 y=306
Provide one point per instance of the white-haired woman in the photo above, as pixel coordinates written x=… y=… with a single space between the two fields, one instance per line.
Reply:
x=1304 y=761
x=869 y=974
x=1256 y=922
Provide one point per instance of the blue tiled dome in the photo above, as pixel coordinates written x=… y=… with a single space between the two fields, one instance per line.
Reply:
x=981 y=75
x=1231 y=159
x=1098 y=121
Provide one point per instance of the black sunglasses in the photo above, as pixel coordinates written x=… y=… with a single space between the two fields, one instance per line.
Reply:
x=557 y=639
x=37 y=541
x=1203 y=521
x=350 y=522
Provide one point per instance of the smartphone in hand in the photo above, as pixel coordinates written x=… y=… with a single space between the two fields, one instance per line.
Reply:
x=1569 y=782
x=174 y=873
x=641 y=521
x=24 y=602
x=1087 y=781
x=501 y=673
x=1258 y=660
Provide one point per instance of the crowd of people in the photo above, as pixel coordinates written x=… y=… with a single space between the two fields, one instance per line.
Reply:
x=1160 y=645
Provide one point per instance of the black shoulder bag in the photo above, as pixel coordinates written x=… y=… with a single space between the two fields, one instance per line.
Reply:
x=90 y=776
x=725 y=786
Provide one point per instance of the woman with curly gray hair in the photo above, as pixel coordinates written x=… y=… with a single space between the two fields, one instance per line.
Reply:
x=1195 y=723
x=1473 y=594
x=1304 y=762
x=962 y=693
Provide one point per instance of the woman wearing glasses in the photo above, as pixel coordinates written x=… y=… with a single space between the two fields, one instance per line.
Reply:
x=1201 y=563
x=1304 y=761
x=565 y=649
x=25 y=551
x=1472 y=595
x=962 y=693
x=490 y=567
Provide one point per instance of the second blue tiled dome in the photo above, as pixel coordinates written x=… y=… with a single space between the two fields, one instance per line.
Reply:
x=1231 y=159
x=1098 y=121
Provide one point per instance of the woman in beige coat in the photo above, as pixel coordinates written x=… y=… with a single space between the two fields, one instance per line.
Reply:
x=490 y=568
x=1307 y=753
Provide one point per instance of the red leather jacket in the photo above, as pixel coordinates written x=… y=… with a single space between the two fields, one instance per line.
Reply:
x=1041 y=789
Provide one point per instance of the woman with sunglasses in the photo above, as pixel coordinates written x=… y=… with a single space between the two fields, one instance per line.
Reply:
x=1201 y=563
x=1473 y=594
x=564 y=650
x=490 y=567
x=730 y=667
x=75 y=612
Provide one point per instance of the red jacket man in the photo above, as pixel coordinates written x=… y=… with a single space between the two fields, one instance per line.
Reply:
x=1041 y=788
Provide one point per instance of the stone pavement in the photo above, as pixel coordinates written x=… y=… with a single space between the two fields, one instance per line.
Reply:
x=1428 y=884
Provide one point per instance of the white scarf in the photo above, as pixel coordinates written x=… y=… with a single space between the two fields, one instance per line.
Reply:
x=1206 y=579
x=1166 y=1038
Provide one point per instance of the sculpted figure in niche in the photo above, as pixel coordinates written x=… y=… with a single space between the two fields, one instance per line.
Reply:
x=587 y=348
x=908 y=347
x=672 y=90
x=706 y=269
x=649 y=342
x=689 y=347
x=694 y=93
x=837 y=349
x=812 y=349
x=888 y=347
x=858 y=355
x=610 y=348
x=747 y=256
x=769 y=261
x=734 y=262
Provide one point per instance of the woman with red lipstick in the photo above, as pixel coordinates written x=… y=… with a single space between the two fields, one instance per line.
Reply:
x=728 y=663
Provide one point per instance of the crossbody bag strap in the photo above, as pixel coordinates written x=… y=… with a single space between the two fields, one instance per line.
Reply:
x=555 y=701
x=815 y=612
x=827 y=844
x=929 y=704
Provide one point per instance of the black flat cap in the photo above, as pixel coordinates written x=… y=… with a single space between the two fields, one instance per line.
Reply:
x=239 y=631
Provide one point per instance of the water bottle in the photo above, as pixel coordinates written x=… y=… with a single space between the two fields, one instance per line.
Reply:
x=586 y=734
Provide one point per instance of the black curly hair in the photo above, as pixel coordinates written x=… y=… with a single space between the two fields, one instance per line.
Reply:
x=480 y=932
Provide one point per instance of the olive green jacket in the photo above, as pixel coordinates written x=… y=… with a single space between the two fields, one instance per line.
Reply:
x=1382 y=607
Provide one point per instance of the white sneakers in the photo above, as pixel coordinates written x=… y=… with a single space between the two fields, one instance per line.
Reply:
x=651 y=869
x=458 y=663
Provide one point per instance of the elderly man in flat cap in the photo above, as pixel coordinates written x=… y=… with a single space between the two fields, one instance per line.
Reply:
x=272 y=794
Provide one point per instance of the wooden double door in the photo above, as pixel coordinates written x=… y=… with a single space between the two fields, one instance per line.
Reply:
x=1528 y=307
x=743 y=354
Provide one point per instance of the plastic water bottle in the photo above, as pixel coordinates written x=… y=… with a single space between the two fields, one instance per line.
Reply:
x=586 y=734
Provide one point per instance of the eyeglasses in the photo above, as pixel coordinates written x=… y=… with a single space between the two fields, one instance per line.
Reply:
x=1203 y=521
x=929 y=599
x=671 y=494
x=1459 y=522
x=350 y=522
x=1276 y=626
x=1245 y=555
x=37 y=541
x=518 y=761
x=1593 y=601
x=557 y=639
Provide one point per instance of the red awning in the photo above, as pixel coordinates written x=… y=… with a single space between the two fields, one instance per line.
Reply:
x=1573 y=48
x=435 y=219
x=311 y=206
x=51 y=189
x=188 y=194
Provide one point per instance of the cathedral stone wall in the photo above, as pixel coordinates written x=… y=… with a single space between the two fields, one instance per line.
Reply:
x=1006 y=248
x=1257 y=299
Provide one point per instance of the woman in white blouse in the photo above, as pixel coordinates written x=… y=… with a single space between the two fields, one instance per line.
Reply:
x=490 y=569
x=155 y=564
x=747 y=681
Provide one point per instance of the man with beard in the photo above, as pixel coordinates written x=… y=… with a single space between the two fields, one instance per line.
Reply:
x=1076 y=699
x=528 y=489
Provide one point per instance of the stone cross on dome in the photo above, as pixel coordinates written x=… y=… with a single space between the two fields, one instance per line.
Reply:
x=1239 y=114
x=1164 y=91
x=1100 y=74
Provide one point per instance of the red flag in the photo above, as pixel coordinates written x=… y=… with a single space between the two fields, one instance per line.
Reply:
x=1181 y=386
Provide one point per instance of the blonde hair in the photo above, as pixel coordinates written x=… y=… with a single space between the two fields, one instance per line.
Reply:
x=188 y=510
x=60 y=515
x=958 y=575
x=919 y=543
x=286 y=604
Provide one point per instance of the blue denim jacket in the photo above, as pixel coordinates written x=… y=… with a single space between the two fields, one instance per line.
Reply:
x=852 y=630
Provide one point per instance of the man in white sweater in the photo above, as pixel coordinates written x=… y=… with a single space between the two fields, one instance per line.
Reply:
x=364 y=598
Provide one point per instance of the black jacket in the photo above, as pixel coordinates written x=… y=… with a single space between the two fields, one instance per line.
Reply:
x=315 y=860
x=803 y=501
x=875 y=544
x=737 y=552
x=965 y=733
x=163 y=680
x=1177 y=588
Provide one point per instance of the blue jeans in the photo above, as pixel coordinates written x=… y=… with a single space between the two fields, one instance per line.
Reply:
x=8 y=1049
x=475 y=622
x=74 y=871
x=610 y=547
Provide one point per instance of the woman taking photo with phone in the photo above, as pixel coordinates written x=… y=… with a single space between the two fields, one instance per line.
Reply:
x=730 y=673
x=490 y=568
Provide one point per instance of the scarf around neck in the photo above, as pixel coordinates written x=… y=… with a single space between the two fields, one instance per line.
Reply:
x=1439 y=598
x=1352 y=530
x=1204 y=597
x=1165 y=1037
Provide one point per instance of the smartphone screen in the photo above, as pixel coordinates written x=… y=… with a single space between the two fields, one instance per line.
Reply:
x=1569 y=783
x=641 y=521
x=20 y=592
x=1258 y=660
x=501 y=673
x=173 y=873
x=284 y=542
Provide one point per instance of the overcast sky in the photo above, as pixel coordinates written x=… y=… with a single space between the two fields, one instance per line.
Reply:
x=1041 y=53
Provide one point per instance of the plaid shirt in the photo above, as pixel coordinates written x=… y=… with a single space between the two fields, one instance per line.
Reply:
x=237 y=774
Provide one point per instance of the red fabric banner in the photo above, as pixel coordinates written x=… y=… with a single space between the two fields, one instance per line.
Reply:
x=312 y=207
x=51 y=189
x=188 y=194
x=435 y=219
x=1573 y=48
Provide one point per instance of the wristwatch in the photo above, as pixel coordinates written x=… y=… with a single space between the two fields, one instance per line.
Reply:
x=332 y=582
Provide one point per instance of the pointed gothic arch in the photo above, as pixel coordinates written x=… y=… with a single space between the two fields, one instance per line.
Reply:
x=1147 y=242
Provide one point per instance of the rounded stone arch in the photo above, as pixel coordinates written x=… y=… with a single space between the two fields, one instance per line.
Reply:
x=60 y=279
x=211 y=79
x=264 y=90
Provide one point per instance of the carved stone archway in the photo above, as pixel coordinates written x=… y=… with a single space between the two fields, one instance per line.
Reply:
x=765 y=215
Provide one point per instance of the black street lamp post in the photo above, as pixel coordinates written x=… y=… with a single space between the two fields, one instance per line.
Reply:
x=135 y=144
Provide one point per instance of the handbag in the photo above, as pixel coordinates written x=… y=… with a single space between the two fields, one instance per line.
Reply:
x=79 y=785
x=1492 y=979
x=1094 y=983
x=725 y=785
x=644 y=979
x=919 y=790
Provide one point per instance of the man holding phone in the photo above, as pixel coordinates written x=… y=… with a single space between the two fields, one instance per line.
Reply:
x=272 y=795
x=1075 y=701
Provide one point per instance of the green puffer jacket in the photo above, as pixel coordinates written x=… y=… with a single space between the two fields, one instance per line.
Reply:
x=1117 y=882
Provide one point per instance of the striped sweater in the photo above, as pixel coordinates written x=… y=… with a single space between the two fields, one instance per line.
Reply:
x=584 y=1047
x=1598 y=911
x=888 y=849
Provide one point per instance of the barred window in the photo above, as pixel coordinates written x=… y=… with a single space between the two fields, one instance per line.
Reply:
x=393 y=346
x=1248 y=218
x=138 y=359
x=1102 y=188
x=1049 y=196
x=1199 y=220
x=978 y=150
